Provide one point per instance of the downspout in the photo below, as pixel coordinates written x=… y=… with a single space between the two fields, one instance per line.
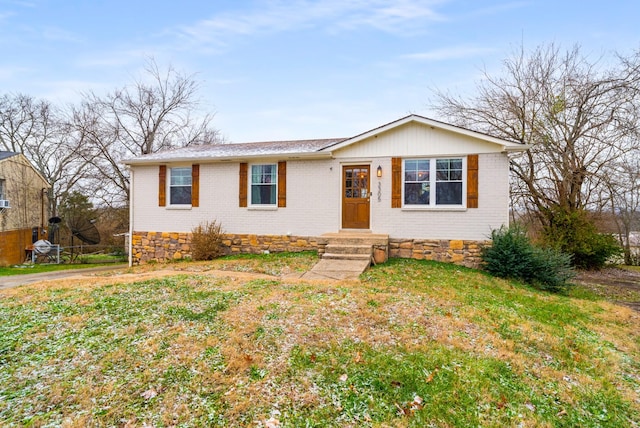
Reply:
x=43 y=192
x=131 y=187
x=44 y=202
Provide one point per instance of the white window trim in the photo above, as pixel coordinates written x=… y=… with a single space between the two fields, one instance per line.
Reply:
x=263 y=208
x=168 y=192
x=257 y=207
x=432 y=181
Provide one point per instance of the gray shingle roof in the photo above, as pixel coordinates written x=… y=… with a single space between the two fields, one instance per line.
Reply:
x=242 y=150
x=301 y=148
x=5 y=155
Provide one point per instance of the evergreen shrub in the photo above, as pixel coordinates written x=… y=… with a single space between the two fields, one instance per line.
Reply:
x=574 y=233
x=512 y=255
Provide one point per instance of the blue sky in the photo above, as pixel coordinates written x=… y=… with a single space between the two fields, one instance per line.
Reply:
x=298 y=69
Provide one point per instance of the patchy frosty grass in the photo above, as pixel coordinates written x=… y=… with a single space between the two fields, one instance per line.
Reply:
x=413 y=344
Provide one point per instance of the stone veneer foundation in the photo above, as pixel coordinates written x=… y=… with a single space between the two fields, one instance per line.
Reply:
x=465 y=253
x=165 y=246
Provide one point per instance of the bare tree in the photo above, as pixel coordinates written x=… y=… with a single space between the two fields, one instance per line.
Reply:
x=576 y=115
x=155 y=113
x=38 y=130
x=624 y=197
x=25 y=123
x=81 y=148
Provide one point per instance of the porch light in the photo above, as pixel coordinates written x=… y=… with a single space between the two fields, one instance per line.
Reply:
x=379 y=171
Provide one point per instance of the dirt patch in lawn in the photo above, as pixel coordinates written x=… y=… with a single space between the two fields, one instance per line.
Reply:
x=621 y=286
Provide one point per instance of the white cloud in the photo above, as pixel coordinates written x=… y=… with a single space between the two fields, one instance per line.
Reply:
x=500 y=7
x=8 y=72
x=396 y=16
x=28 y=4
x=115 y=58
x=454 y=52
x=59 y=34
x=68 y=91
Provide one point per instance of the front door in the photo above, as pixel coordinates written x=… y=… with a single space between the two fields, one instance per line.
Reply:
x=355 y=197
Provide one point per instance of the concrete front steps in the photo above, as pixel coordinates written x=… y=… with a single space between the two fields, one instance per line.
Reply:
x=346 y=254
x=350 y=245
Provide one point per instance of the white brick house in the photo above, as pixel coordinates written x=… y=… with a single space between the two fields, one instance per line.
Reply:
x=422 y=182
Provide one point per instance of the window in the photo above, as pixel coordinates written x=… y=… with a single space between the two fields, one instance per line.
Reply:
x=180 y=186
x=448 y=181
x=2 y=189
x=417 y=185
x=423 y=188
x=264 y=187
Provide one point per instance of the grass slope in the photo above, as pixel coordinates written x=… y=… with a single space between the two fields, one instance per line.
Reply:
x=87 y=261
x=415 y=344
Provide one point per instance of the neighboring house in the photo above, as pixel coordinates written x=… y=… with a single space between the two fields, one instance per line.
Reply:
x=23 y=207
x=433 y=190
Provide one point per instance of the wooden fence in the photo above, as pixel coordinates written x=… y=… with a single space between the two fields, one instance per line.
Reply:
x=12 y=246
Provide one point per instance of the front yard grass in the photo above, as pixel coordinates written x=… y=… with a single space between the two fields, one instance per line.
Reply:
x=414 y=344
x=40 y=268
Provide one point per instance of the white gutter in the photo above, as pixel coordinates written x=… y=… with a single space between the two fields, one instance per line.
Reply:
x=204 y=159
x=520 y=148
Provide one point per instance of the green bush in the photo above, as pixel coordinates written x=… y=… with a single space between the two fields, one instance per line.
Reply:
x=512 y=255
x=574 y=233
x=206 y=241
x=552 y=269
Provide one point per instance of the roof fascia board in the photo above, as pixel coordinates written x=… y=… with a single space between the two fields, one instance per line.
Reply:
x=23 y=160
x=506 y=145
x=204 y=159
x=516 y=148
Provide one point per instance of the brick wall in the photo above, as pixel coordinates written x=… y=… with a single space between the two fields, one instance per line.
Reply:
x=314 y=203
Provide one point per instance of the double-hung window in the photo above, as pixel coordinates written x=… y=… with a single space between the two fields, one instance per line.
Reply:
x=180 y=186
x=433 y=182
x=449 y=181
x=264 y=184
x=417 y=182
x=2 y=189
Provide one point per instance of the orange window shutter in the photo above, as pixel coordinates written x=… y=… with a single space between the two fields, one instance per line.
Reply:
x=472 y=181
x=162 y=186
x=396 y=182
x=282 y=184
x=195 y=185
x=243 y=184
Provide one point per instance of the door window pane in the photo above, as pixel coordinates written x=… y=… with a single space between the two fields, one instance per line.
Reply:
x=356 y=183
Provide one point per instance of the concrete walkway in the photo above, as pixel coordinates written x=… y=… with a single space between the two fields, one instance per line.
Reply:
x=332 y=270
x=16 y=280
x=337 y=269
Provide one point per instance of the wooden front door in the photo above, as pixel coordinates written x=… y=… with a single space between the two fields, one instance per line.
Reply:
x=355 y=197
